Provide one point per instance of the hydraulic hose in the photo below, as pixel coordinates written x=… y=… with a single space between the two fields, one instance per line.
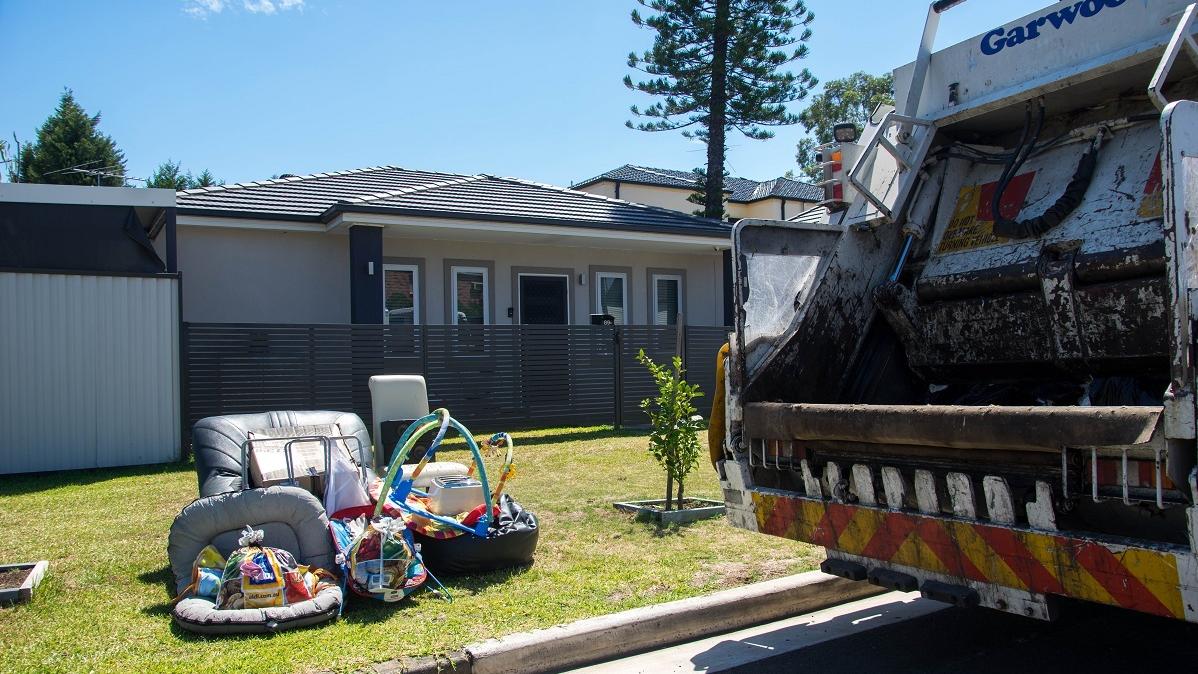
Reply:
x=1022 y=151
x=1069 y=200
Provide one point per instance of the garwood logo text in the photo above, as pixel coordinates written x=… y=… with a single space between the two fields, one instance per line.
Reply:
x=1000 y=38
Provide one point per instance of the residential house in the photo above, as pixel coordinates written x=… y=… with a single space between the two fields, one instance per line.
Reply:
x=394 y=245
x=777 y=199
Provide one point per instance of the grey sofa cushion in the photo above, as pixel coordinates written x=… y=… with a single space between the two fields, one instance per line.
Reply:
x=290 y=518
x=216 y=442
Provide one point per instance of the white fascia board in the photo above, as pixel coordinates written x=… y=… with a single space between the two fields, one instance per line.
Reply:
x=524 y=228
x=34 y=193
x=249 y=223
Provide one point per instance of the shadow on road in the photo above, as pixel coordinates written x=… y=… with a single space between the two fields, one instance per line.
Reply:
x=1086 y=637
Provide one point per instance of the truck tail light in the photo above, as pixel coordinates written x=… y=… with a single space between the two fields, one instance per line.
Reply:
x=831 y=159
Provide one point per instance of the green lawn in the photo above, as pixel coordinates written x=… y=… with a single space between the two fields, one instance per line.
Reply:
x=103 y=606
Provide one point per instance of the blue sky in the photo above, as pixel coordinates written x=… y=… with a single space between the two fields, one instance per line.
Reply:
x=527 y=88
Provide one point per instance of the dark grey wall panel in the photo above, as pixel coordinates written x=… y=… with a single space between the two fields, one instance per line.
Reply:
x=492 y=377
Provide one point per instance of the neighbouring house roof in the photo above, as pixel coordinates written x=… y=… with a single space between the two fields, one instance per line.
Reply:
x=740 y=189
x=817 y=214
x=399 y=191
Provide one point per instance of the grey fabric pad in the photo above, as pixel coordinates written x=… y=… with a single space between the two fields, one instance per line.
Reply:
x=200 y=615
x=216 y=442
x=291 y=519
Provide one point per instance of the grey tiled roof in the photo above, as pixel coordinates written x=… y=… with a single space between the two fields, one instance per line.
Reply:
x=739 y=189
x=399 y=191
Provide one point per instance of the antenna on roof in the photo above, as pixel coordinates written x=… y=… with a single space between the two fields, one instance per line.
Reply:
x=4 y=156
x=16 y=160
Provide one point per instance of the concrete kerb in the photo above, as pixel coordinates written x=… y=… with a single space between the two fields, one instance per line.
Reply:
x=629 y=632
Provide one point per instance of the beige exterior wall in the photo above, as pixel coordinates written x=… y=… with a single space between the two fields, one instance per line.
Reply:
x=605 y=188
x=767 y=209
x=702 y=297
x=664 y=197
x=675 y=199
x=263 y=276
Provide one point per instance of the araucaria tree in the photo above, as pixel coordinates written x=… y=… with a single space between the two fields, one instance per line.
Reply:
x=675 y=424
x=718 y=65
x=69 y=138
x=170 y=175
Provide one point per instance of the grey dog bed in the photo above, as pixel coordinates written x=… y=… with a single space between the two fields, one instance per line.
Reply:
x=291 y=519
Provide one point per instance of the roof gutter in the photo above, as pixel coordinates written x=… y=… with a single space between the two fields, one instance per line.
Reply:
x=713 y=231
x=437 y=226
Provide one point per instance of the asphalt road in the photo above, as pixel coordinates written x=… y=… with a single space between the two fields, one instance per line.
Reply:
x=900 y=632
x=1085 y=637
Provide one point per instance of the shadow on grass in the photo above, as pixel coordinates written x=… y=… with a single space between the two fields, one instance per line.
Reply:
x=660 y=529
x=26 y=483
x=672 y=529
x=364 y=610
x=572 y=435
x=162 y=577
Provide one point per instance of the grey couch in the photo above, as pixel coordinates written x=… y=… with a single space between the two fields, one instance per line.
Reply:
x=216 y=442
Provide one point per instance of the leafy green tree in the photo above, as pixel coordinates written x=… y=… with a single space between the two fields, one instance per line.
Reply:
x=851 y=99
x=170 y=175
x=70 y=138
x=673 y=438
x=718 y=65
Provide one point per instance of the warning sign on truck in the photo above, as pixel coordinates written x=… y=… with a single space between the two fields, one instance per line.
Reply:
x=972 y=224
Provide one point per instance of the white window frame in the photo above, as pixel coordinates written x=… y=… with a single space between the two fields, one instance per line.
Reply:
x=599 y=276
x=415 y=269
x=520 y=299
x=666 y=277
x=453 y=290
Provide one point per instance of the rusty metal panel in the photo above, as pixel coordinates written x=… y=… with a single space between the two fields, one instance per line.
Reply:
x=810 y=360
x=1003 y=329
x=1124 y=320
x=991 y=427
x=90 y=371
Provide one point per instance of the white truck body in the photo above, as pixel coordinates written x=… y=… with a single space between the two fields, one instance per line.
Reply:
x=975 y=376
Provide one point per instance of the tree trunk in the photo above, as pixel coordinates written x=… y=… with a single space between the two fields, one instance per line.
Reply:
x=669 y=489
x=713 y=193
x=680 y=502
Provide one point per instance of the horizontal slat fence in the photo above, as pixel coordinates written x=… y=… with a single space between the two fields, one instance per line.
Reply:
x=703 y=343
x=492 y=377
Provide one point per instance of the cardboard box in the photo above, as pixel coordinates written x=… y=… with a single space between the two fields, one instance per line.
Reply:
x=268 y=456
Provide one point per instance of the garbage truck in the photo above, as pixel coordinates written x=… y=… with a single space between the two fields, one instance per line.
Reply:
x=970 y=372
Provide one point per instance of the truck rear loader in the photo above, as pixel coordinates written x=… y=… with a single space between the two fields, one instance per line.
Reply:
x=970 y=372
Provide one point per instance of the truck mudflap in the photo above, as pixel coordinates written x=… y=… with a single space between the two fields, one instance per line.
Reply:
x=972 y=562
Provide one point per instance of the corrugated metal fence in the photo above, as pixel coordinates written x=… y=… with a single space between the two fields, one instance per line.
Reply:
x=494 y=376
x=89 y=370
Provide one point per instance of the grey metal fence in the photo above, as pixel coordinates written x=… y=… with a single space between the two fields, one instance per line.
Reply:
x=492 y=376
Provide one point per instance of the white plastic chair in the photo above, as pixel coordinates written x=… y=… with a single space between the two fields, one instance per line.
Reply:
x=395 y=396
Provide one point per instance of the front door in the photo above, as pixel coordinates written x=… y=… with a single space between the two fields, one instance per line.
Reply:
x=543 y=299
x=545 y=356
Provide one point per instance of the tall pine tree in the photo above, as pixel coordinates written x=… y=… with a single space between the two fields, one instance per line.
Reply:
x=170 y=175
x=68 y=138
x=718 y=65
